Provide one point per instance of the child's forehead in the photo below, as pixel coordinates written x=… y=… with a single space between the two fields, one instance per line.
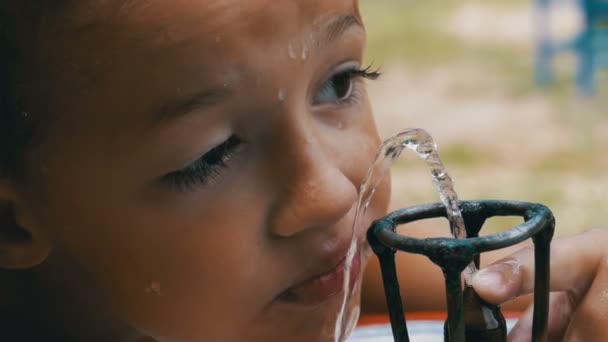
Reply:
x=109 y=28
x=211 y=16
x=105 y=29
x=154 y=45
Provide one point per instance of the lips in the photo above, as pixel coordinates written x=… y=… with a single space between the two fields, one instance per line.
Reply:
x=321 y=287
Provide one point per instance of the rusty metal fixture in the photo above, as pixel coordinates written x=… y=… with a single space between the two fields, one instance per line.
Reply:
x=466 y=319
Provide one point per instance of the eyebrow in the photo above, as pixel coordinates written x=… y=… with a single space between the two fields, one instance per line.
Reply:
x=337 y=26
x=204 y=99
x=329 y=32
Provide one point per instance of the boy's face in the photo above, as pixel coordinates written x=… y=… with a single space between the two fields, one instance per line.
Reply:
x=202 y=164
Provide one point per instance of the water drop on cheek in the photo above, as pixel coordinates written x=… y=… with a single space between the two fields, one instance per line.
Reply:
x=153 y=288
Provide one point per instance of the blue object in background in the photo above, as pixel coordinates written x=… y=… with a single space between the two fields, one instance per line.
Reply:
x=590 y=46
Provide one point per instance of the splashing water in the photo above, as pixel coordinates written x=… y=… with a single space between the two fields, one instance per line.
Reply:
x=423 y=145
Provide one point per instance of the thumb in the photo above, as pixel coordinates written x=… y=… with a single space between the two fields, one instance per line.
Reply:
x=499 y=282
x=573 y=266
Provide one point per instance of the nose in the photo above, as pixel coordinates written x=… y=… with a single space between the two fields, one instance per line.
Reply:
x=313 y=192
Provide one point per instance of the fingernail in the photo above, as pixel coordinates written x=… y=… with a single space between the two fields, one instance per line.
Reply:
x=498 y=277
x=489 y=278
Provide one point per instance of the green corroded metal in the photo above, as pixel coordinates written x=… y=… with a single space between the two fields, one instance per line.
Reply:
x=453 y=255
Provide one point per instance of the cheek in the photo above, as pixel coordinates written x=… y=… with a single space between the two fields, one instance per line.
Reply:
x=172 y=270
x=206 y=276
x=208 y=269
x=359 y=149
x=359 y=146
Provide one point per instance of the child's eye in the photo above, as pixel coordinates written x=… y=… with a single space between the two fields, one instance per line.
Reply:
x=209 y=165
x=339 y=87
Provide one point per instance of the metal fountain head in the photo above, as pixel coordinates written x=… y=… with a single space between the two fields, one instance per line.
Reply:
x=453 y=255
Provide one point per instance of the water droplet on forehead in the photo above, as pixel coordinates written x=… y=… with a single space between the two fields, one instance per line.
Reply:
x=304 y=55
x=291 y=51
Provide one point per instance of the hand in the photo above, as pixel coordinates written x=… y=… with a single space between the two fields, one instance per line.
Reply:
x=578 y=304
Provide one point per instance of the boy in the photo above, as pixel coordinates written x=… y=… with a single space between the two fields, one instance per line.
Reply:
x=181 y=170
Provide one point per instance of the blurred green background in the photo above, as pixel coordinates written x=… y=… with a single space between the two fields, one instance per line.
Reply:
x=463 y=70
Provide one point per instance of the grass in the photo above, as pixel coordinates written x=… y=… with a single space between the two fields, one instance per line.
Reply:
x=571 y=180
x=408 y=30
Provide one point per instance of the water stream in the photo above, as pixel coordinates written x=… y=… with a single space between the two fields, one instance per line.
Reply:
x=424 y=146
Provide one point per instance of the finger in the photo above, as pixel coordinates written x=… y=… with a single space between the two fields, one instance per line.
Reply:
x=522 y=330
x=573 y=264
x=589 y=322
x=561 y=311
x=561 y=308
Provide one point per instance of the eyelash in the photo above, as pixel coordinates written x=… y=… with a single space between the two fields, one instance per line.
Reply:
x=353 y=73
x=367 y=72
x=211 y=164
x=207 y=167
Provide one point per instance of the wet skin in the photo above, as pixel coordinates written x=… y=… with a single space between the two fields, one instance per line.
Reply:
x=139 y=227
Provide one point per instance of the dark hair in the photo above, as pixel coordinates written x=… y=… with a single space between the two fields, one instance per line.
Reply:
x=18 y=128
x=14 y=133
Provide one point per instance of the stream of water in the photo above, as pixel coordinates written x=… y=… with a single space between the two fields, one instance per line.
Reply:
x=421 y=142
